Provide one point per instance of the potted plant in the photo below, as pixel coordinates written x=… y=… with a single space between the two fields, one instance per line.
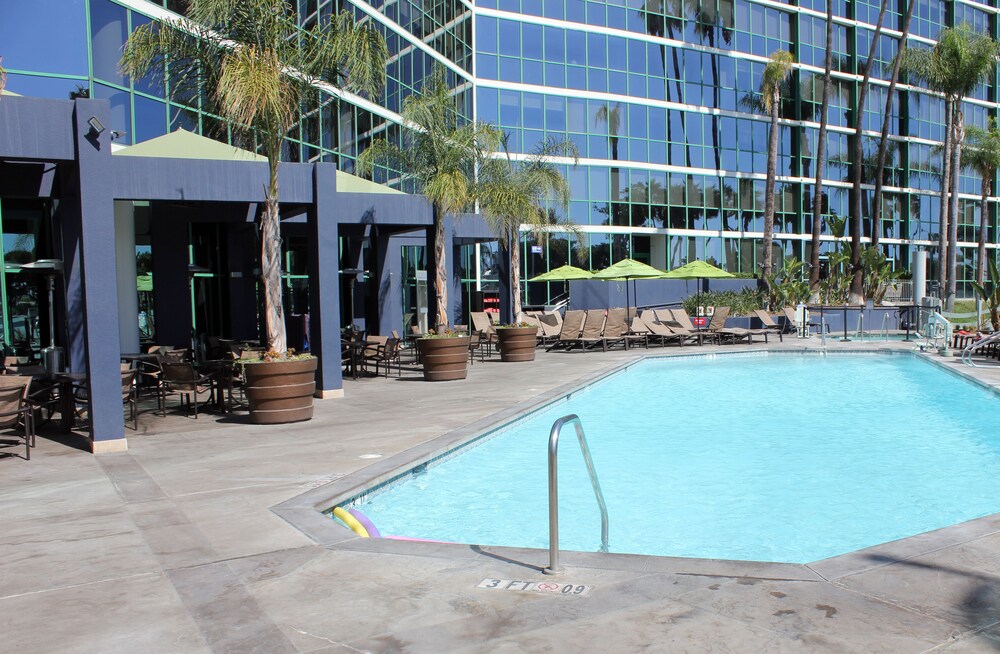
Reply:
x=445 y=355
x=517 y=341
x=280 y=387
x=262 y=72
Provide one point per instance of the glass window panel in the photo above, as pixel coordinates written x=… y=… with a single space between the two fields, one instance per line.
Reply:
x=486 y=35
x=33 y=86
x=121 y=110
x=531 y=39
x=150 y=119
x=147 y=84
x=32 y=41
x=108 y=31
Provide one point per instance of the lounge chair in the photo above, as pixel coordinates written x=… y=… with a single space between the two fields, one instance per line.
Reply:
x=481 y=323
x=769 y=326
x=615 y=329
x=658 y=330
x=531 y=319
x=718 y=326
x=593 y=329
x=572 y=325
x=637 y=332
x=678 y=321
x=550 y=325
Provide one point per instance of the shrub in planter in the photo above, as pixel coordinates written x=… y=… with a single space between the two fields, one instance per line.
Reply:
x=517 y=341
x=445 y=355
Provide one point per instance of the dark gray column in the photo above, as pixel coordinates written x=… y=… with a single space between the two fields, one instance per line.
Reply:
x=91 y=292
x=243 y=261
x=171 y=286
x=506 y=297
x=386 y=281
x=454 y=273
x=324 y=282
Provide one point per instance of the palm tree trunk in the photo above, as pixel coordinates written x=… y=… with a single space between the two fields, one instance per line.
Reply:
x=270 y=261
x=772 y=171
x=958 y=118
x=883 y=144
x=817 y=217
x=514 y=243
x=857 y=280
x=984 y=226
x=440 y=272
x=680 y=95
x=943 y=220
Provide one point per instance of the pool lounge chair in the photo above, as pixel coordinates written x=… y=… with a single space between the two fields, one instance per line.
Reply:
x=678 y=321
x=572 y=325
x=769 y=326
x=733 y=334
x=593 y=330
x=657 y=330
x=551 y=326
x=615 y=329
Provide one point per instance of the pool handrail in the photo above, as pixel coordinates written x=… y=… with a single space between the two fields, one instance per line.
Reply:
x=554 y=567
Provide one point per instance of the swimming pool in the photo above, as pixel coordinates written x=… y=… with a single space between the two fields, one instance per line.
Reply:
x=771 y=457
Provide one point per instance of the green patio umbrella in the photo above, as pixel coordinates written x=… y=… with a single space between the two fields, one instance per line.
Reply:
x=144 y=283
x=698 y=270
x=562 y=274
x=627 y=269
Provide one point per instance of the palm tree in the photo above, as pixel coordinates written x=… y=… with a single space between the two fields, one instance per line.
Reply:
x=775 y=73
x=440 y=154
x=886 y=119
x=961 y=60
x=817 y=208
x=260 y=68
x=514 y=195
x=612 y=117
x=982 y=154
x=858 y=276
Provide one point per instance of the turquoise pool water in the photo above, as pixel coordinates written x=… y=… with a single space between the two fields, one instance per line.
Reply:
x=771 y=458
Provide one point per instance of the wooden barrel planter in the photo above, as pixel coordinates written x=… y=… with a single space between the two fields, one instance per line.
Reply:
x=281 y=391
x=444 y=359
x=517 y=343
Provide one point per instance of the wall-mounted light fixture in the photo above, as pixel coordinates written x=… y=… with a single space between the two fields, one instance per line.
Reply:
x=116 y=134
x=96 y=126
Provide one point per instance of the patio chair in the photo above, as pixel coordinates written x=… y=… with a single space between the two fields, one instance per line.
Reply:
x=592 y=334
x=718 y=326
x=181 y=379
x=15 y=413
x=572 y=325
x=386 y=353
x=481 y=323
x=615 y=329
x=678 y=322
x=769 y=326
x=81 y=395
x=657 y=330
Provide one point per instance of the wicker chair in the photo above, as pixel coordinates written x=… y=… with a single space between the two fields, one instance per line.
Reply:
x=15 y=413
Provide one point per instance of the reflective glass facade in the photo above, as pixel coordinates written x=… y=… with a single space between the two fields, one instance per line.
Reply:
x=654 y=93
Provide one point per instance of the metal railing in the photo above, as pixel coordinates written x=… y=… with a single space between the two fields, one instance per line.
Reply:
x=883 y=333
x=861 y=327
x=938 y=329
x=557 y=426
x=972 y=347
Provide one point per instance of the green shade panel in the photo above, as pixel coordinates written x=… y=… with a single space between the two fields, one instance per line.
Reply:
x=628 y=269
x=697 y=270
x=562 y=274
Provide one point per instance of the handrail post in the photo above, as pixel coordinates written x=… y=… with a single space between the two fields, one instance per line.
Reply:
x=554 y=567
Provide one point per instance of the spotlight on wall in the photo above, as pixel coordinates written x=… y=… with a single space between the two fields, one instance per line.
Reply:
x=96 y=126
x=116 y=134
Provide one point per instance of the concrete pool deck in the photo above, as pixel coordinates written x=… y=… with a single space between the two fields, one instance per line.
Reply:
x=175 y=547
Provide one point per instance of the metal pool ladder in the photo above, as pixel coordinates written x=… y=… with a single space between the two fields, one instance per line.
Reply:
x=557 y=426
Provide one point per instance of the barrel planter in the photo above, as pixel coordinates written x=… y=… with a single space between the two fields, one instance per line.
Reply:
x=281 y=391
x=517 y=343
x=444 y=359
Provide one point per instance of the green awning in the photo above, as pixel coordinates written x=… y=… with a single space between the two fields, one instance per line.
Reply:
x=183 y=144
x=698 y=270
x=628 y=269
x=562 y=274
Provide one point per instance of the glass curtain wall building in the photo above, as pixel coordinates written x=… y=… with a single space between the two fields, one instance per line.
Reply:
x=656 y=94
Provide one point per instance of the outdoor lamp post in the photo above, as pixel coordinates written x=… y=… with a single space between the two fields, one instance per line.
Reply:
x=193 y=271
x=353 y=279
x=53 y=357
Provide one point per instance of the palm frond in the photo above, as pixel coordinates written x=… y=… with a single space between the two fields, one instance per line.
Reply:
x=982 y=149
x=777 y=70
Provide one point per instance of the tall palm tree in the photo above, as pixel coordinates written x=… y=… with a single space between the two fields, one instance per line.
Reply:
x=612 y=117
x=961 y=60
x=817 y=208
x=982 y=154
x=857 y=196
x=776 y=72
x=260 y=68
x=511 y=196
x=886 y=120
x=441 y=155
